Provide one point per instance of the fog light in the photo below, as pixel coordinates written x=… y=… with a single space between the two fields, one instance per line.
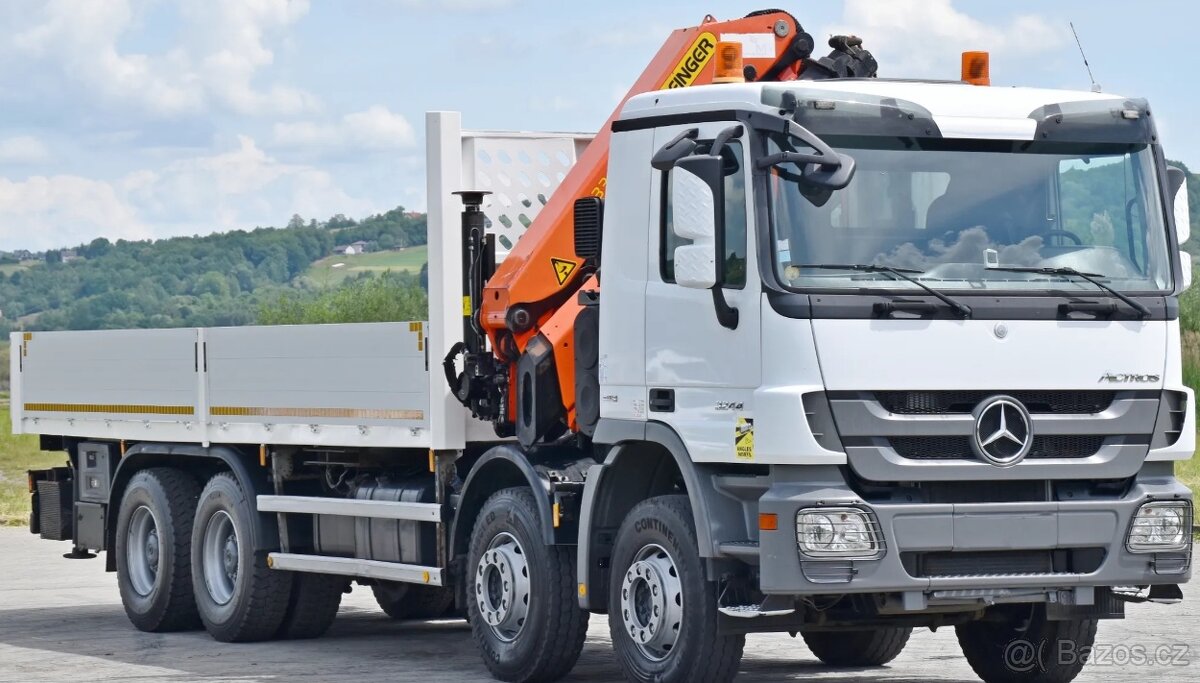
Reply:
x=1159 y=526
x=848 y=533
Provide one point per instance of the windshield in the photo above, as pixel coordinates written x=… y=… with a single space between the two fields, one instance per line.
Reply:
x=951 y=208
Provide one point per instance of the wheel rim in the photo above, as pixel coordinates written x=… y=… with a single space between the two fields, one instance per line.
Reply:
x=221 y=558
x=502 y=587
x=652 y=602
x=143 y=554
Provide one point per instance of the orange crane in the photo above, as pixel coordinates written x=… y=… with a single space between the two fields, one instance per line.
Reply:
x=531 y=298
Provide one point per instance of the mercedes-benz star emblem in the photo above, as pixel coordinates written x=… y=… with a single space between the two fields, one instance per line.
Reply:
x=1003 y=431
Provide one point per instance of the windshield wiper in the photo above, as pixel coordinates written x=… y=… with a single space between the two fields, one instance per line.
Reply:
x=899 y=274
x=1064 y=271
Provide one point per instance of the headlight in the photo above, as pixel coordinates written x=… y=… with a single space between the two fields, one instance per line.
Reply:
x=1159 y=526
x=838 y=533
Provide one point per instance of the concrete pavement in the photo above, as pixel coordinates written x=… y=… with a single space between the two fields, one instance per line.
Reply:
x=61 y=620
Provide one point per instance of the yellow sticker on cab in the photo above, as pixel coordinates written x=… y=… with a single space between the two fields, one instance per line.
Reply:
x=743 y=438
x=693 y=62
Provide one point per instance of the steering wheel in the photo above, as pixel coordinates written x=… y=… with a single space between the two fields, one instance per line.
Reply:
x=1063 y=233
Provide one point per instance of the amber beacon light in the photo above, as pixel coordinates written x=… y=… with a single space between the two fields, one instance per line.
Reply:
x=729 y=63
x=976 y=68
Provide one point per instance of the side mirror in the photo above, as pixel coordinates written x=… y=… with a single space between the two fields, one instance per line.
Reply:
x=698 y=214
x=1177 y=180
x=1185 y=265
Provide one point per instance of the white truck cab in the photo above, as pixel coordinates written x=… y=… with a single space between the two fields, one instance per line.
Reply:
x=926 y=333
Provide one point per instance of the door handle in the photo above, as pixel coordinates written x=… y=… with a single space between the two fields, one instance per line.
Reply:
x=662 y=400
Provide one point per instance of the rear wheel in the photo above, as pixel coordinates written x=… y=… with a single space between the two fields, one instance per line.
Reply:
x=412 y=601
x=662 y=612
x=521 y=593
x=240 y=599
x=873 y=647
x=313 y=606
x=154 y=532
x=1019 y=645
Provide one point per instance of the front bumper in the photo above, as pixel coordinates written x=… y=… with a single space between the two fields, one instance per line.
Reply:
x=983 y=551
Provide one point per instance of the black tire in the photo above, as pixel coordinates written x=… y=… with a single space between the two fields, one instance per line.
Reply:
x=170 y=497
x=257 y=595
x=1022 y=646
x=874 y=647
x=313 y=606
x=411 y=601
x=699 y=653
x=547 y=641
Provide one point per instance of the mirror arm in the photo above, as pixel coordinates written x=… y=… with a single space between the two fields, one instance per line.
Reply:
x=726 y=315
x=723 y=137
x=679 y=147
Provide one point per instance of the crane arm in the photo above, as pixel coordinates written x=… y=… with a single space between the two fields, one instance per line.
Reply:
x=527 y=308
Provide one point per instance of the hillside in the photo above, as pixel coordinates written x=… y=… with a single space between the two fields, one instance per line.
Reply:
x=220 y=279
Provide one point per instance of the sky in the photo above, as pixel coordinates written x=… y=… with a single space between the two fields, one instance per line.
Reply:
x=136 y=119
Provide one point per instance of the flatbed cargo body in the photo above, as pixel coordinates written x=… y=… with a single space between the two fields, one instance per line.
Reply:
x=351 y=385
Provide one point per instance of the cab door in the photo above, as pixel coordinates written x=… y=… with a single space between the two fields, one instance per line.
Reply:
x=701 y=374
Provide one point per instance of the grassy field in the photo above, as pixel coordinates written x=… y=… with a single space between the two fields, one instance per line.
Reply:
x=17 y=454
x=10 y=268
x=409 y=259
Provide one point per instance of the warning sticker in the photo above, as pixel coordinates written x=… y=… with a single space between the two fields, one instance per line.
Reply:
x=743 y=438
x=563 y=269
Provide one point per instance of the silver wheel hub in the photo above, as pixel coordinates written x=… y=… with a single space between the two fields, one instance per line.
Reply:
x=652 y=602
x=220 y=557
x=502 y=587
x=142 y=553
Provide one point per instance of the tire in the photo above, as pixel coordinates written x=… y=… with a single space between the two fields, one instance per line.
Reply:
x=313 y=606
x=411 y=601
x=874 y=647
x=1025 y=647
x=239 y=598
x=156 y=584
x=533 y=631
x=656 y=552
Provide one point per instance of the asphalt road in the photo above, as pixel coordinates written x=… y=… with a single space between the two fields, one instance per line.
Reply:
x=61 y=620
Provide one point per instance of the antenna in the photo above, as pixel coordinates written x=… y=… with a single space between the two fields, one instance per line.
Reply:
x=1095 y=85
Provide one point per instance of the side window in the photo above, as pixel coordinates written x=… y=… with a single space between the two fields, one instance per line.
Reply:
x=735 y=221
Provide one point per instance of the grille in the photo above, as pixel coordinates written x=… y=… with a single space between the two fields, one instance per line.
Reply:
x=959 y=447
x=943 y=402
x=991 y=563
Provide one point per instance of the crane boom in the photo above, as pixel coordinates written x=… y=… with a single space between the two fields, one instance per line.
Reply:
x=531 y=295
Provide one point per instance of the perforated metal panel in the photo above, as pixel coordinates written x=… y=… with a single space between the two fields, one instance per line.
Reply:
x=521 y=170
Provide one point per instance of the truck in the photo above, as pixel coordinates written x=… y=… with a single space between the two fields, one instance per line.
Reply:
x=870 y=356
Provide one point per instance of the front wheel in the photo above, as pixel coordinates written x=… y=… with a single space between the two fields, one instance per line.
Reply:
x=873 y=647
x=662 y=612
x=1020 y=645
x=521 y=593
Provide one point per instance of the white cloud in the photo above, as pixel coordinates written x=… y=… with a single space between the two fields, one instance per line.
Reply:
x=924 y=38
x=45 y=212
x=377 y=128
x=222 y=47
x=241 y=187
x=22 y=149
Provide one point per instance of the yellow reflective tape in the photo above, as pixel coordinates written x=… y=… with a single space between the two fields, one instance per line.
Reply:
x=345 y=413
x=432 y=461
x=467 y=309
x=557 y=515
x=425 y=575
x=262 y=455
x=109 y=408
x=583 y=590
